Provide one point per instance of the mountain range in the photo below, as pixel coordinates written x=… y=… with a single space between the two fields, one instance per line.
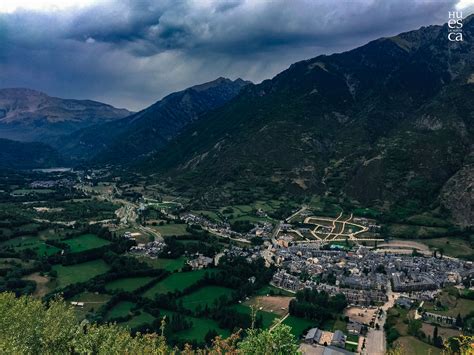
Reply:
x=29 y=115
x=143 y=133
x=388 y=124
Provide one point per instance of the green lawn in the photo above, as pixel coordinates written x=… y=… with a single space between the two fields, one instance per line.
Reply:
x=85 y=242
x=71 y=274
x=333 y=325
x=205 y=296
x=166 y=264
x=176 y=282
x=298 y=325
x=128 y=284
x=267 y=317
x=121 y=309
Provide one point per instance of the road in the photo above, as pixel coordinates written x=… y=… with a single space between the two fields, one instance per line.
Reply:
x=375 y=340
x=296 y=213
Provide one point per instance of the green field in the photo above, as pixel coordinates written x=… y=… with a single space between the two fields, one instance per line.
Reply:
x=172 y=229
x=298 y=325
x=166 y=264
x=199 y=329
x=30 y=242
x=267 y=317
x=71 y=274
x=138 y=320
x=121 y=309
x=205 y=296
x=176 y=282
x=451 y=246
x=92 y=302
x=128 y=284
x=85 y=242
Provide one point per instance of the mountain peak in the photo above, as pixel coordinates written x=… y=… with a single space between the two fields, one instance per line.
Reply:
x=218 y=82
x=28 y=115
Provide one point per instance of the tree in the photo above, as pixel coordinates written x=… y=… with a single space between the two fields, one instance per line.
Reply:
x=437 y=340
x=279 y=341
x=414 y=327
x=30 y=327
x=210 y=336
x=459 y=322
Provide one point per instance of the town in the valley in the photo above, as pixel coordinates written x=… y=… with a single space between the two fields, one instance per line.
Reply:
x=336 y=278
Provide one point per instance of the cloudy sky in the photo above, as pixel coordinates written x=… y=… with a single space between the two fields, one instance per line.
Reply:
x=130 y=53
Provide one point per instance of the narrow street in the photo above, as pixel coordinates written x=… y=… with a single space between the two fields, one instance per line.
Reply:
x=375 y=341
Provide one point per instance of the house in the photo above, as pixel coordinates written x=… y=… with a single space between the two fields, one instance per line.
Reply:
x=313 y=336
x=354 y=328
x=338 y=339
x=200 y=262
x=404 y=302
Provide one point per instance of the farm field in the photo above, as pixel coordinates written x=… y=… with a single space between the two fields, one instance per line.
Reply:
x=176 y=282
x=198 y=331
x=451 y=246
x=92 y=301
x=205 y=296
x=71 y=274
x=138 y=320
x=128 y=284
x=85 y=242
x=272 y=304
x=172 y=229
x=30 y=242
x=43 y=284
x=121 y=309
x=166 y=264
x=7 y=263
x=267 y=317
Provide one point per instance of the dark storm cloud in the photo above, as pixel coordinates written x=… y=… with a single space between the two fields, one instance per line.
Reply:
x=130 y=53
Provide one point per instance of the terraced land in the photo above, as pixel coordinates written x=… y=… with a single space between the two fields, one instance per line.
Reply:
x=128 y=284
x=205 y=296
x=85 y=242
x=71 y=274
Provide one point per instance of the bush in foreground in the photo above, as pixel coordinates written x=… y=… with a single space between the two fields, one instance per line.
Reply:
x=27 y=326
